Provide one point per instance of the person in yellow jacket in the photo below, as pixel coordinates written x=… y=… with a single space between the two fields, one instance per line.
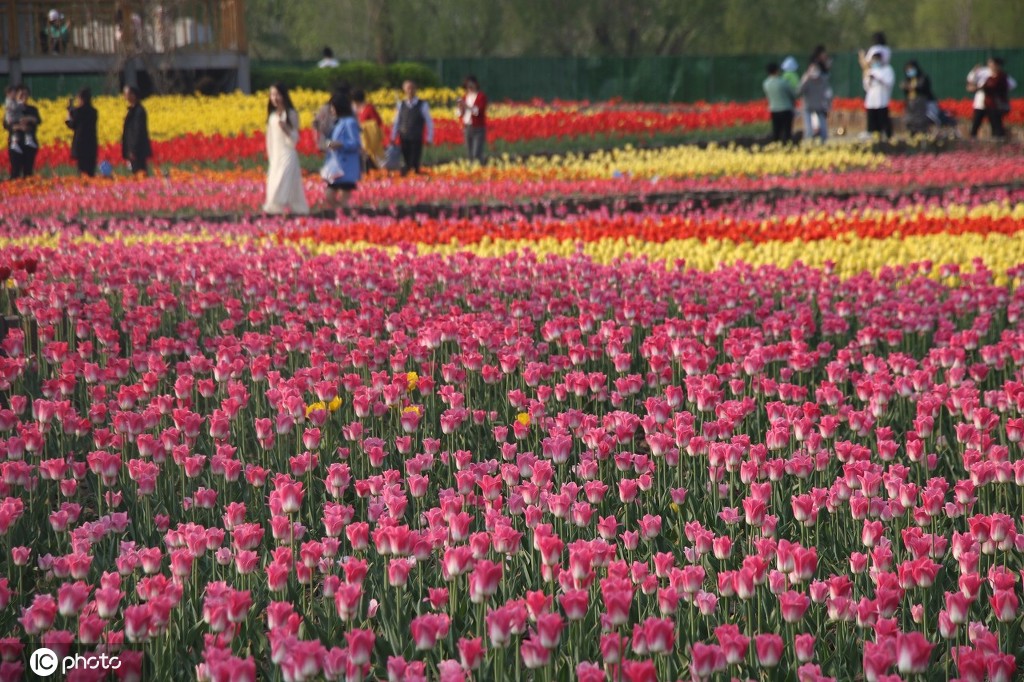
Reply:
x=371 y=128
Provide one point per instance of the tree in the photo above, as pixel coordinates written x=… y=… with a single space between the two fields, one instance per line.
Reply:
x=386 y=30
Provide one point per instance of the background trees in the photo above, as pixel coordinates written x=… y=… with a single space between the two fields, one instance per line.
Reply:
x=385 y=30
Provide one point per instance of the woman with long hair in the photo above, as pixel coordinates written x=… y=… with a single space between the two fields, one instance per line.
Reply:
x=284 y=175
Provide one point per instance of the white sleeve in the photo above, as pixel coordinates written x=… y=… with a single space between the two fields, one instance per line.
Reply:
x=428 y=123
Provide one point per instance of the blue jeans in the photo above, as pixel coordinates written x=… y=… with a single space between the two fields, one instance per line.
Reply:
x=822 y=124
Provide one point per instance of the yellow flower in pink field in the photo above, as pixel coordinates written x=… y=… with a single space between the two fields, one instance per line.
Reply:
x=523 y=418
x=413 y=380
x=335 y=404
x=313 y=407
x=410 y=418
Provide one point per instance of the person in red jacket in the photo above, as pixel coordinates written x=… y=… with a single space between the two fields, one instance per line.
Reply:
x=473 y=113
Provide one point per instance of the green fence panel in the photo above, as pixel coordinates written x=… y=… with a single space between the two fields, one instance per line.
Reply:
x=721 y=78
x=64 y=86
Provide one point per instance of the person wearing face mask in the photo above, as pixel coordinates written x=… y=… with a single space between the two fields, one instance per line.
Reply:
x=917 y=88
x=878 y=82
x=816 y=91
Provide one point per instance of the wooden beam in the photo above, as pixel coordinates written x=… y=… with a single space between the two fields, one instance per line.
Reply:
x=243 y=36
x=107 y=62
x=13 y=36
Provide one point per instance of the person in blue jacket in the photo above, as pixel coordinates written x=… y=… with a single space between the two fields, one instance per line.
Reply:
x=344 y=154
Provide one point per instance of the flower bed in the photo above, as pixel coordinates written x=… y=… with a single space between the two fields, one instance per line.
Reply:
x=690 y=175
x=751 y=416
x=231 y=127
x=362 y=464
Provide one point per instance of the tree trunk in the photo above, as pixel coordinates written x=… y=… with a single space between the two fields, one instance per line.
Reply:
x=382 y=31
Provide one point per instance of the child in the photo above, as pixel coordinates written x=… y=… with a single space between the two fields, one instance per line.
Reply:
x=12 y=115
x=789 y=67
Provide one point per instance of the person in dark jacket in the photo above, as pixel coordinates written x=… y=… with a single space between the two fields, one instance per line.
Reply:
x=996 y=86
x=82 y=119
x=22 y=126
x=413 y=126
x=135 y=145
x=917 y=87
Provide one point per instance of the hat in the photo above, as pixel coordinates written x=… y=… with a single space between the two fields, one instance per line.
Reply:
x=54 y=15
x=789 y=64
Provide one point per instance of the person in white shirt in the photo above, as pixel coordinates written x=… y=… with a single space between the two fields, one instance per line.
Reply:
x=879 y=79
x=328 y=62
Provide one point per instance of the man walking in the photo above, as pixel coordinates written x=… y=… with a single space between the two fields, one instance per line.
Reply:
x=413 y=126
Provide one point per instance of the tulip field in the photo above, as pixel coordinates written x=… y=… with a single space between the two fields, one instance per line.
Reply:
x=667 y=412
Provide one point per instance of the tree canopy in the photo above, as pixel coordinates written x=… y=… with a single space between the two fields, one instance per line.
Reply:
x=386 y=30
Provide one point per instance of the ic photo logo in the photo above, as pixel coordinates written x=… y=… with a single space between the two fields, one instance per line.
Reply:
x=44 y=662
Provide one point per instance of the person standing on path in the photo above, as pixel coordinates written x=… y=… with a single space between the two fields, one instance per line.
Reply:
x=781 y=98
x=284 y=175
x=816 y=90
x=371 y=130
x=917 y=88
x=136 y=147
x=991 y=87
x=83 y=119
x=413 y=127
x=472 y=110
x=21 y=124
x=879 y=79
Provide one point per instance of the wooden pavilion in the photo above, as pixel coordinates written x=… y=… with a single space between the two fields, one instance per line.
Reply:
x=125 y=37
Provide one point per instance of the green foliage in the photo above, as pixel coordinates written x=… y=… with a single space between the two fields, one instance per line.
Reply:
x=265 y=76
x=357 y=74
x=423 y=76
x=360 y=74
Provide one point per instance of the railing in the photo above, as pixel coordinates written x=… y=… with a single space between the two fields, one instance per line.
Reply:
x=105 y=27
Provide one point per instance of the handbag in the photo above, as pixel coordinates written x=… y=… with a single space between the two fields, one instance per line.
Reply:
x=331 y=170
x=392 y=158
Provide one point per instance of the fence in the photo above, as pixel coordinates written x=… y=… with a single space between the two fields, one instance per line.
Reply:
x=689 y=79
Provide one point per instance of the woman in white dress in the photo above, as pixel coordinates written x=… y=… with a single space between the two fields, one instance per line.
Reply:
x=284 y=178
